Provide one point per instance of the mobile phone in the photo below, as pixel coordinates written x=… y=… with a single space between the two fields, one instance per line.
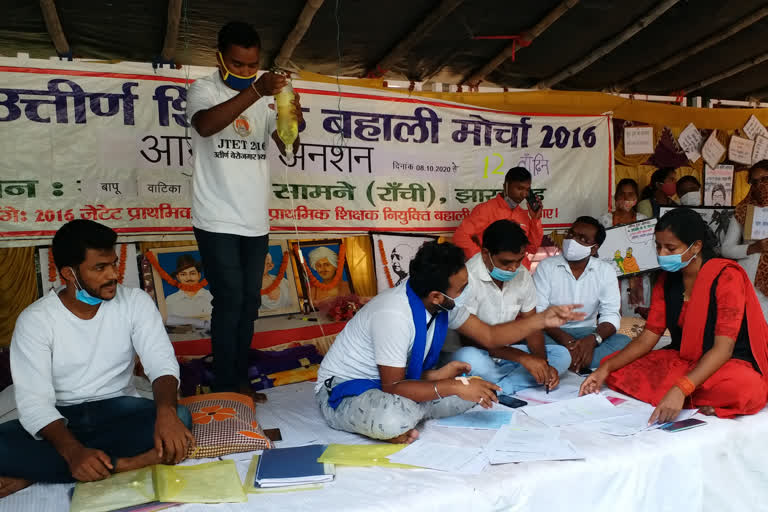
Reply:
x=533 y=201
x=511 y=401
x=677 y=426
x=584 y=372
x=273 y=434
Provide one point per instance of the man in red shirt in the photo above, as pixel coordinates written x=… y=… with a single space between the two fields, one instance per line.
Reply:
x=517 y=185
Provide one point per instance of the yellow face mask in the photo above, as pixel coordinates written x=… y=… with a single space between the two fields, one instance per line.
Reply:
x=232 y=80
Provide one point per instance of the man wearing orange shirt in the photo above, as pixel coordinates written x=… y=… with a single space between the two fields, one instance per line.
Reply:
x=517 y=185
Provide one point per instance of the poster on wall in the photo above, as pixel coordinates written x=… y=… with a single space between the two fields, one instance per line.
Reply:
x=128 y=268
x=717 y=218
x=630 y=249
x=111 y=143
x=718 y=185
x=392 y=254
x=322 y=273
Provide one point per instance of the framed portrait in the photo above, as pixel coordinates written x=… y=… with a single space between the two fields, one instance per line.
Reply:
x=321 y=269
x=128 y=265
x=630 y=249
x=718 y=218
x=392 y=255
x=278 y=286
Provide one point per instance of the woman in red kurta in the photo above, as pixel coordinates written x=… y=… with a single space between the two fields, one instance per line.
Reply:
x=718 y=358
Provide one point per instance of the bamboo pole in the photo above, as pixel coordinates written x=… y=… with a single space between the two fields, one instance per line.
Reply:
x=53 y=24
x=298 y=31
x=698 y=48
x=426 y=26
x=171 y=30
x=528 y=36
x=754 y=61
x=608 y=47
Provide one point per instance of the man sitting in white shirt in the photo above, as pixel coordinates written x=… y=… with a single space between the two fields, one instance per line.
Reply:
x=578 y=276
x=72 y=359
x=378 y=378
x=502 y=290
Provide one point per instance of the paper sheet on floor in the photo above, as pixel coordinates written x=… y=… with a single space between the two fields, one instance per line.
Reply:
x=455 y=459
x=488 y=420
x=634 y=422
x=527 y=444
x=564 y=391
x=576 y=410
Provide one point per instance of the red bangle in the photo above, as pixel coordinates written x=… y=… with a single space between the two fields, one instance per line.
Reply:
x=685 y=385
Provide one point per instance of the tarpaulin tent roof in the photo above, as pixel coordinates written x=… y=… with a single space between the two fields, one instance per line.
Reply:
x=437 y=39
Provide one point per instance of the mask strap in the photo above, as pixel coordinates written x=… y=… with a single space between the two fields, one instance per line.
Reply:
x=224 y=66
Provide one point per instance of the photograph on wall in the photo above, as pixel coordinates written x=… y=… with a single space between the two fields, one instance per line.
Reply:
x=630 y=249
x=718 y=186
x=278 y=285
x=392 y=255
x=321 y=271
x=127 y=268
x=717 y=218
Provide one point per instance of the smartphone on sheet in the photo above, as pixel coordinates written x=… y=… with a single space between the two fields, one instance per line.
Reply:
x=511 y=401
x=584 y=372
x=533 y=202
x=677 y=426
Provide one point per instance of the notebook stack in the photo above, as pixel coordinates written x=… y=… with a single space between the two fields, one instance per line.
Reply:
x=292 y=467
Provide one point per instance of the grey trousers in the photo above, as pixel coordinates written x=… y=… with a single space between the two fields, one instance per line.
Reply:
x=381 y=415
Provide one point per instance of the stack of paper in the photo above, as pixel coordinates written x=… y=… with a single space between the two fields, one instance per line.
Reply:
x=490 y=420
x=527 y=444
x=282 y=467
x=634 y=422
x=565 y=391
x=583 y=409
x=455 y=459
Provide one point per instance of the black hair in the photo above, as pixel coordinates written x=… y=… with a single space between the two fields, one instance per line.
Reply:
x=688 y=179
x=600 y=235
x=504 y=236
x=719 y=188
x=432 y=266
x=688 y=227
x=185 y=261
x=627 y=182
x=238 y=33
x=658 y=177
x=517 y=174
x=762 y=164
x=74 y=238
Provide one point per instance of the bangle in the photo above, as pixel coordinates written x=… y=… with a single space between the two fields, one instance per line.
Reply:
x=437 y=392
x=253 y=86
x=685 y=385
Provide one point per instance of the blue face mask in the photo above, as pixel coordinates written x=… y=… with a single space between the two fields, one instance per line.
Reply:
x=84 y=296
x=457 y=301
x=501 y=274
x=674 y=262
x=234 y=81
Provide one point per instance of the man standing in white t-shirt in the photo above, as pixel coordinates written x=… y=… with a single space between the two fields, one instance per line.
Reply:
x=502 y=290
x=72 y=360
x=379 y=377
x=233 y=123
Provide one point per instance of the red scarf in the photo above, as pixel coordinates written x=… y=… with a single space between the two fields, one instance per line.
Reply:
x=696 y=317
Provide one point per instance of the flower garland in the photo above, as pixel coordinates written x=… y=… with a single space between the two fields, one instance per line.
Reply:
x=120 y=266
x=171 y=281
x=336 y=278
x=280 y=275
x=384 y=262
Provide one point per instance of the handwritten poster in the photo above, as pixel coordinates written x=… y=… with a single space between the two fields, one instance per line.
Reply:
x=712 y=150
x=754 y=127
x=740 y=150
x=638 y=140
x=631 y=248
x=760 y=152
x=690 y=141
x=718 y=185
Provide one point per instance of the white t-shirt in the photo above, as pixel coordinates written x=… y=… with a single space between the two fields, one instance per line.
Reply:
x=58 y=359
x=231 y=186
x=197 y=306
x=494 y=305
x=381 y=333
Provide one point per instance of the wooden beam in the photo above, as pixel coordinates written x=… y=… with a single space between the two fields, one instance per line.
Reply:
x=608 y=47
x=754 y=61
x=53 y=24
x=298 y=31
x=424 y=27
x=171 y=30
x=693 y=50
x=527 y=36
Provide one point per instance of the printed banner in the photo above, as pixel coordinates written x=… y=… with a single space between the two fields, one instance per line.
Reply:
x=84 y=141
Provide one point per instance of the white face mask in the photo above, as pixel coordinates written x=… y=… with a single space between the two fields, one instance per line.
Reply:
x=691 y=199
x=574 y=251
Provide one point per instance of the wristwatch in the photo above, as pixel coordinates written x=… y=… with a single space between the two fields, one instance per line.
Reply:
x=598 y=338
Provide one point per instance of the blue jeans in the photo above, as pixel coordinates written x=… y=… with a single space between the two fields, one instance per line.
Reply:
x=120 y=427
x=607 y=347
x=510 y=376
x=234 y=267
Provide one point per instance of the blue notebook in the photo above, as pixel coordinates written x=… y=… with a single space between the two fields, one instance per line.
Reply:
x=280 y=467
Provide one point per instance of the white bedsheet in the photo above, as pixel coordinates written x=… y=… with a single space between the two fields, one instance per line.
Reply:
x=719 y=467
